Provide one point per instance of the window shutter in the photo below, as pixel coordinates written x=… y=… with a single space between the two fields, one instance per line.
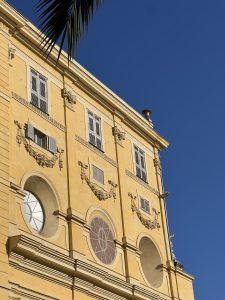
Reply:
x=94 y=126
x=52 y=147
x=43 y=93
x=140 y=163
x=34 y=88
x=91 y=122
x=30 y=131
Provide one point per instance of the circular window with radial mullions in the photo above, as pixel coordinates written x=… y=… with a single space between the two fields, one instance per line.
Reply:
x=102 y=240
x=34 y=211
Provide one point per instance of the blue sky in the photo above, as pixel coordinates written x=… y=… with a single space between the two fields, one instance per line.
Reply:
x=170 y=56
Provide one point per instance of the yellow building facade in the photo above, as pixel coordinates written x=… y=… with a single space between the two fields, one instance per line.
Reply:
x=82 y=206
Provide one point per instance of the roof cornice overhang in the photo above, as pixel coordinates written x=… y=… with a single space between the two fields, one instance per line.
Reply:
x=28 y=34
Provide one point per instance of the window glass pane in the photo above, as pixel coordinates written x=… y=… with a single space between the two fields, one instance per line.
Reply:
x=136 y=158
x=138 y=171
x=42 y=89
x=97 y=129
x=98 y=143
x=33 y=211
x=142 y=162
x=91 y=138
x=34 y=99
x=40 y=139
x=91 y=124
x=34 y=83
x=43 y=105
x=143 y=176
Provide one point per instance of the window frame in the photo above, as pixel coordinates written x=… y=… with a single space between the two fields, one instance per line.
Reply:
x=94 y=178
x=50 y=143
x=39 y=79
x=41 y=135
x=93 y=132
x=143 y=199
x=143 y=169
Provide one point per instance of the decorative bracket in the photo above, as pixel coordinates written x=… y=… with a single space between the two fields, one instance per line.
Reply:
x=12 y=52
x=68 y=96
x=100 y=194
x=118 y=134
x=40 y=158
x=149 y=224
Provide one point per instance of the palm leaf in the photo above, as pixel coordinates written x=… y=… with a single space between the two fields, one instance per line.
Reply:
x=64 y=19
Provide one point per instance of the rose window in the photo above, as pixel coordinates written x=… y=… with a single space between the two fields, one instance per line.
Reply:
x=102 y=240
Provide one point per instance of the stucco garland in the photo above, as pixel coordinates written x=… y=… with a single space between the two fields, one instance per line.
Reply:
x=40 y=158
x=149 y=224
x=100 y=194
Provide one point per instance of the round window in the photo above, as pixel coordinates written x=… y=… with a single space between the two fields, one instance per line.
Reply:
x=151 y=262
x=102 y=240
x=34 y=211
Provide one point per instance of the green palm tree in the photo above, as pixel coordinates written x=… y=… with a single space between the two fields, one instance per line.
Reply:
x=63 y=20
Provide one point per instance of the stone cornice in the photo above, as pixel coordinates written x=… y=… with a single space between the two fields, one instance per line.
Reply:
x=27 y=33
x=40 y=260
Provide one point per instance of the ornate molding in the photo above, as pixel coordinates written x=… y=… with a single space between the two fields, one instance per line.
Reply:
x=38 y=112
x=40 y=158
x=100 y=194
x=12 y=52
x=149 y=224
x=157 y=163
x=118 y=134
x=68 y=96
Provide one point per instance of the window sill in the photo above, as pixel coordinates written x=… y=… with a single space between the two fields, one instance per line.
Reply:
x=145 y=181
x=100 y=149
x=45 y=112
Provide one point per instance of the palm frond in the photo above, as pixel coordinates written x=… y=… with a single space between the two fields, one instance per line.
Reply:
x=64 y=19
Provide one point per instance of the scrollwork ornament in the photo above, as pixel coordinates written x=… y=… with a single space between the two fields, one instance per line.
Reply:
x=40 y=158
x=100 y=194
x=118 y=134
x=68 y=96
x=149 y=224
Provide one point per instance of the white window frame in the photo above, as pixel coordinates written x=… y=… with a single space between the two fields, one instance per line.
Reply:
x=39 y=79
x=143 y=169
x=93 y=132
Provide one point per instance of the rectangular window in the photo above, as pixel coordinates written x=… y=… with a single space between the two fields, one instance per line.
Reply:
x=41 y=139
x=98 y=174
x=38 y=90
x=140 y=163
x=94 y=129
x=145 y=205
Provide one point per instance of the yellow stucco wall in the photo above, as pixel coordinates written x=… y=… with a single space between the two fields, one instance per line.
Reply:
x=59 y=262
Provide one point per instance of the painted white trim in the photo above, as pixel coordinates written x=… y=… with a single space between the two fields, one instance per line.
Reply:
x=134 y=164
x=87 y=109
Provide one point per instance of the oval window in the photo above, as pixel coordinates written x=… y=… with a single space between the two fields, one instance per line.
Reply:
x=34 y=211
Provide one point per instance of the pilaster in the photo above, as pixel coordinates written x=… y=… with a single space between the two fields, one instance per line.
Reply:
x=4 y=156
